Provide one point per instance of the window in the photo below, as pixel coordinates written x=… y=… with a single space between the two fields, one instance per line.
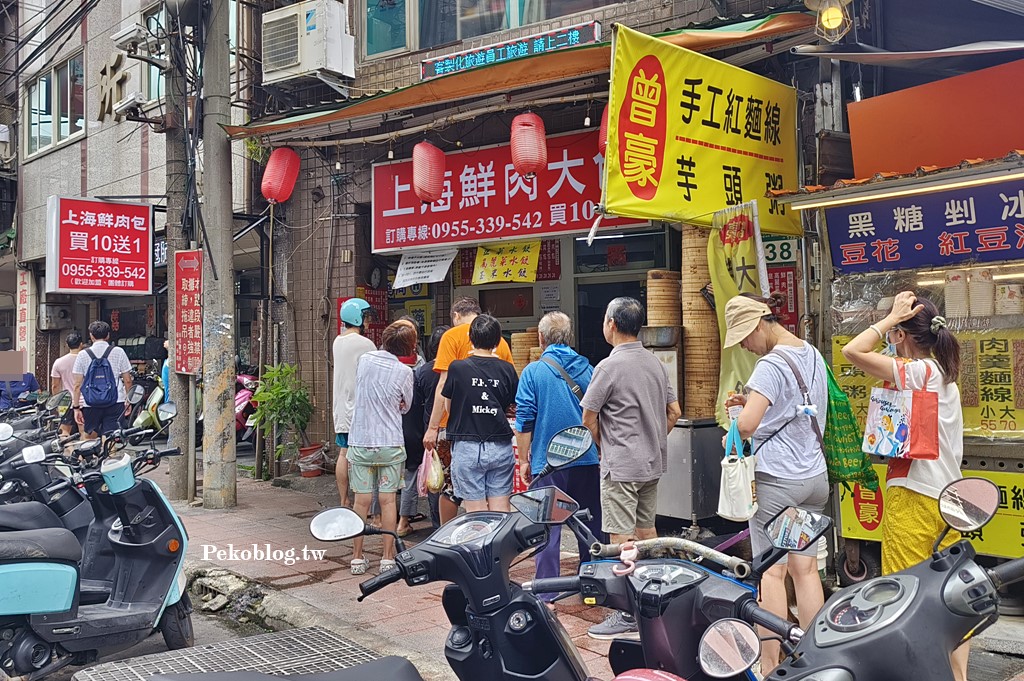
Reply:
x=441 y=22
x=156 y=22
x=55 y=105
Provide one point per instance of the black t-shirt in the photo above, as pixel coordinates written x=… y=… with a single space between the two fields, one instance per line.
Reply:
x=415 y=421
x=481 y=389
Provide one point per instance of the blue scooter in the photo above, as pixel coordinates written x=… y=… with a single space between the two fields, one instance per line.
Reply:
x=44 y=623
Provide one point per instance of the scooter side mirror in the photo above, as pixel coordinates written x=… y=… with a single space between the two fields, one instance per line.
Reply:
x=336 y=524
x=794 y=529
x=565 y=447
x=545 y=505
x=728 y=648
x=57 y=400
x=6 y=432
x=136 y=394
x=969 y=504
x=33 y=454
x=166 y=411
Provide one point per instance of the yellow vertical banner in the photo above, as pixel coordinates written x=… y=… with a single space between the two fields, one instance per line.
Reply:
x=736 y=263
x=689 y=135
x=422 y=312
x=516 y=261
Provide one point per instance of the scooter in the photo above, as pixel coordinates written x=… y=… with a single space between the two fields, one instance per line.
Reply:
x=44 y=622
x=245 y=387
x=148 y=418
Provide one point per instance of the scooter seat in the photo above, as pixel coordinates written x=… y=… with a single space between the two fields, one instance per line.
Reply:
x=27 y=515
x=55 y=544
x=391 y=668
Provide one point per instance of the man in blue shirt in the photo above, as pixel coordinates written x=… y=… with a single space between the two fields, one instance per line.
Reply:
x=9 y=391
x=545 y=404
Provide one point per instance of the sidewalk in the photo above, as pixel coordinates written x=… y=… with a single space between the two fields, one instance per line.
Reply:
x=397 y=620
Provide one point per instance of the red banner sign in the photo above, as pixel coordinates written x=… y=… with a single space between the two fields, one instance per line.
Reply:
x=784 y=280
x=99 y=247
x=188 y=312
x=485 y=199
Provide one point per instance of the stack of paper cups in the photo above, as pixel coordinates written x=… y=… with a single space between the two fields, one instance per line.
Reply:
x=956 y=294
x=982 y=293
x=1009 y=299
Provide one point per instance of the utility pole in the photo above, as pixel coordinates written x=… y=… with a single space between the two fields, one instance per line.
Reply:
x=175 y=85
x=219 y=468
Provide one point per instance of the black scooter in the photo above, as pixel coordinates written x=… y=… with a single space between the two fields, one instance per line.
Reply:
x=898 y=627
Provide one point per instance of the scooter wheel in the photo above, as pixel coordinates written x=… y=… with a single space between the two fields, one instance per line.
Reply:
x=870 y=566
x=176 y=624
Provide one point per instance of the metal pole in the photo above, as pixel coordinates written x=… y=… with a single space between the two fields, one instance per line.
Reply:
x=191 y=458
x=178 y=485
x=260 y=361
x=219 y=468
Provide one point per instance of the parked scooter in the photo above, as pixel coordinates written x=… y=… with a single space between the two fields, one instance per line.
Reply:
x=45 y=624
x=148 y=383
x=245 y=424
x=14 y=441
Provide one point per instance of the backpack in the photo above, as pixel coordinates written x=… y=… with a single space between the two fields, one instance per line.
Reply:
x=99 y=387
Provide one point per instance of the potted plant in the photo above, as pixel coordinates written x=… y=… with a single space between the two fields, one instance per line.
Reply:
x=282 y=401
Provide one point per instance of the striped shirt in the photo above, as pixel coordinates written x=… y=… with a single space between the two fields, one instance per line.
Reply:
x=384 y=391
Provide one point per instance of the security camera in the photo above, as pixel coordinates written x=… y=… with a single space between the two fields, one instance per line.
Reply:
x=130 y=38
x=129 y=103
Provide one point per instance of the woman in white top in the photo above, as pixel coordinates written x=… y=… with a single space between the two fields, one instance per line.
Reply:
x=919 y=337
x=791 y=471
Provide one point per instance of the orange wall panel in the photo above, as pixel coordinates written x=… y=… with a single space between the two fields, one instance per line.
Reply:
x=976 y=115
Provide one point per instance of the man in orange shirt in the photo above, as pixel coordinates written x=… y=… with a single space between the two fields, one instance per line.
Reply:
x=455 y=345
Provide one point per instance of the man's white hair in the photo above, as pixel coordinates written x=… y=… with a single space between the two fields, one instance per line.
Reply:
x=556 y=327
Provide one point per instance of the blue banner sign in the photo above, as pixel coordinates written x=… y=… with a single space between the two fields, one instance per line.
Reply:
x=977 y=224
x=549 y=41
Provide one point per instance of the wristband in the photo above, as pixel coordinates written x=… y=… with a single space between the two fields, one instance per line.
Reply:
x=881 y=336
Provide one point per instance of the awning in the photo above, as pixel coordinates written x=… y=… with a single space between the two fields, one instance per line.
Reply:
x=873 y=56
x=530 y=71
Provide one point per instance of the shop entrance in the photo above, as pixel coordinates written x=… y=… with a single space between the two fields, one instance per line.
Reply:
x=592 y=301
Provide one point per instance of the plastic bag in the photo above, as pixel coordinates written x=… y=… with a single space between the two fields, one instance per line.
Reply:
x=423 y=473
x=435 y=477
x=737 y=500
x=847 y=463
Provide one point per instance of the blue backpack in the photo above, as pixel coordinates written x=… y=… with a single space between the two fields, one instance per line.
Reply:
x=99 y=387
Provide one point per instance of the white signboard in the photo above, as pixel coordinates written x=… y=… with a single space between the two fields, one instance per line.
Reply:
x=424 y=267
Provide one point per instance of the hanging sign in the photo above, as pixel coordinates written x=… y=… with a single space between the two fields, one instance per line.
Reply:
x=423 y=267
x=689 y=135
x=24 y=341
x=188 y=312
x=98 y=247
x=982 y=224
x=507 y=262
x=484 y=199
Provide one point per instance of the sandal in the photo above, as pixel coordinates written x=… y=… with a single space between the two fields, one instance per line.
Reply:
x=419 y=517
x=404 y=533
x=386 y=565
x=358 y=566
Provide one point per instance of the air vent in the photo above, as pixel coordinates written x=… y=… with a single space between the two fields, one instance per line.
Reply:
x=281 y=43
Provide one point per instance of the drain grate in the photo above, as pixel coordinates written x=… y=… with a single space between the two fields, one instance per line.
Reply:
x=310 y=650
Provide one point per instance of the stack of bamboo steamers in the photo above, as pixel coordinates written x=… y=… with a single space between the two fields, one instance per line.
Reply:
x=525 y=348
x=701 y=341
x=663 y=305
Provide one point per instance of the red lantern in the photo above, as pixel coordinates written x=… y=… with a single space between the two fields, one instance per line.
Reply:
x=280 y=175
x=529 y=144
x=428 y=166
x=602 y=134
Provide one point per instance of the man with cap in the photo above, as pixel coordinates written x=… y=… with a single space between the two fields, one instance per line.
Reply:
x=348 y=347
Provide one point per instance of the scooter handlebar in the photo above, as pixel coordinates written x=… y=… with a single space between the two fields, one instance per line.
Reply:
x=755 y=614
x=1008 y=573
x=552 y=585
x=379 y=582
x=646 y=547
x=173 y=451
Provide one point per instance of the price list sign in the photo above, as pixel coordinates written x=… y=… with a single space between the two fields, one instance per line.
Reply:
x=188 y=312
x=99 y=247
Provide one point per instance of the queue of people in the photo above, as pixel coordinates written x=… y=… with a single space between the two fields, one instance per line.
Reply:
x=467 y=404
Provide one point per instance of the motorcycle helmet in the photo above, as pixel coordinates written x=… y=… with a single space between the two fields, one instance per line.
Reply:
x=352 y=311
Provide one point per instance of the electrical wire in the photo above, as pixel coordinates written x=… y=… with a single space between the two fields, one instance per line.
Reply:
x=68 y=25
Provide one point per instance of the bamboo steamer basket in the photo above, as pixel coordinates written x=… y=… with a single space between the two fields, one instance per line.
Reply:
x=701 y=341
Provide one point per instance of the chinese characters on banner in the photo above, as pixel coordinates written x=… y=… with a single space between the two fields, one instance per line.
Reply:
x=784 y=280
x=689 y=135
x=188 y=312
x=982 y=224
x=485 y=199
x=861 y=512
x=507 y=262
x=99 y=247
x=991 y=382
x=423 y=267
x=549 y=266
x=24 y=341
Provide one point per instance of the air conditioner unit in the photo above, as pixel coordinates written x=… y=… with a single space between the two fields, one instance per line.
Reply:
x=308 y=39
x=54 y=317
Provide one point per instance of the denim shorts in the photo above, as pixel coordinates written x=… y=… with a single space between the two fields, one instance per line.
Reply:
x=482 y=470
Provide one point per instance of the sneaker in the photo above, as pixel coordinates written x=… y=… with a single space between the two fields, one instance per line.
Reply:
x=617 y=625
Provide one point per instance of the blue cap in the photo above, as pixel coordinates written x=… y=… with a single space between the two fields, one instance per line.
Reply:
x=352 y=311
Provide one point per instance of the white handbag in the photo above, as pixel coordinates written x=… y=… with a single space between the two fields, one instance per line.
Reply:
x=737 y=497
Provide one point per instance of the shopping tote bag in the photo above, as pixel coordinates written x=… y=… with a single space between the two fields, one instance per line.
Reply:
x=737 y=497
x=903 y=424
